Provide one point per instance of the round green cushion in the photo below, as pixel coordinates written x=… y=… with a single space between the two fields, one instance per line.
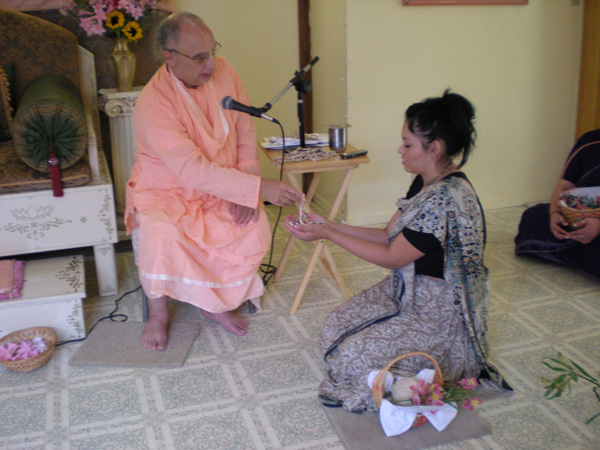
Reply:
x=50 y=115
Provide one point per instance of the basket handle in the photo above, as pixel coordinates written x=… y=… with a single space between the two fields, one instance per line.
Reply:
x=377 y=390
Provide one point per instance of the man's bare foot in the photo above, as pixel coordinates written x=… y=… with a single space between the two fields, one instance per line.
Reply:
x=230 y=321
x=156 y=331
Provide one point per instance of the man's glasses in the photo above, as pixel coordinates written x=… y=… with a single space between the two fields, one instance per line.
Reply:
x=200 y=57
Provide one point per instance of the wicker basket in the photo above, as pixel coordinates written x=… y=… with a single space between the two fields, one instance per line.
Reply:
x=573 y=214
x=377 y=390
x=25 y=365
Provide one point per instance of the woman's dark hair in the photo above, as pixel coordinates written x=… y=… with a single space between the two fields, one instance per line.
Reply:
x=448 y=118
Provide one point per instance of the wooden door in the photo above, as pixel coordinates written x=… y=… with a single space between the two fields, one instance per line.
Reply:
x=588 y=112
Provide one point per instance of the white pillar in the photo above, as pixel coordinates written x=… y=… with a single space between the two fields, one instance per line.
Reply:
x=119 y=106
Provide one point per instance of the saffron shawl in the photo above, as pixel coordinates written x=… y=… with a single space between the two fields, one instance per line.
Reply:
x=193 y=160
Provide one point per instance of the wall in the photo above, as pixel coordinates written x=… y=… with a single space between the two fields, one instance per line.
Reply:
x=518 y=64
x=328 y=30
x=260 y=38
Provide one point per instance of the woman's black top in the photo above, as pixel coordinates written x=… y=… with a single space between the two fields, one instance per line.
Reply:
x=432 y=263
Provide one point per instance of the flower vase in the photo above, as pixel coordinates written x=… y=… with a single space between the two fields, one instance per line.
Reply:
x=124 y=63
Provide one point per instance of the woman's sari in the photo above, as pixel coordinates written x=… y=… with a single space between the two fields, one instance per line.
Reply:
x=445 y=318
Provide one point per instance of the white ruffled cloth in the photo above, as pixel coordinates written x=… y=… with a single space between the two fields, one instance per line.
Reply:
x=398 y=419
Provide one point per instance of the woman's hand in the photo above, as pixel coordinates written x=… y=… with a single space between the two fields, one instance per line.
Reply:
x=312 y=217
x=306 y=233
x=556 y=220
x=586 y=230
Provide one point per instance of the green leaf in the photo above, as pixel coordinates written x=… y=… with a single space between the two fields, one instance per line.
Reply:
x=556 y=369
x=560 y=362
x=582 y=371
x=556 y=395
x=592 y=418
x=597 y=393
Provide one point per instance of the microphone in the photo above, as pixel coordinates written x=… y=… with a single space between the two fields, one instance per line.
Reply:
x=230 y=103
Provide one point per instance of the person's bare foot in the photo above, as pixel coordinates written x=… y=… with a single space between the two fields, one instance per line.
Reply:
x=230 y=321
x=156 y=331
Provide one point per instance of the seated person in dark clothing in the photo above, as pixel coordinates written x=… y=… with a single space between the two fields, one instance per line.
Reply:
x=545 y=233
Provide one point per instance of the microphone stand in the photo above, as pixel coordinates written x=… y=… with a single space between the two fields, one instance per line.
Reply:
x=303 y=86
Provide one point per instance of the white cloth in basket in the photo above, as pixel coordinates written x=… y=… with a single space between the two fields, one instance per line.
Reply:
x=399 y=419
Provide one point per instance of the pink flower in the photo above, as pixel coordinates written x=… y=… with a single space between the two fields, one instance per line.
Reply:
x=434 y=401
x=18 y=351
x=471 y=403
x=436 y=397
x=67 y=6
x=99 y=12
x=5 y=355
x=468 y=383
x=132 y=8
x=91 y=26
x=416 y=400
x=421 y=388
x=435 y=388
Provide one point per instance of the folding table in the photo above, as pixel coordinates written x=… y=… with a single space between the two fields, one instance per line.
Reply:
x=320 y=251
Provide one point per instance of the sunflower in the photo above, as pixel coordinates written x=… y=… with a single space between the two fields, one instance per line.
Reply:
x=115 y=20
x=133 y=31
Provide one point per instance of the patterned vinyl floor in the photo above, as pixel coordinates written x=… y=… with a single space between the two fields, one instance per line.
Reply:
x=259 y=391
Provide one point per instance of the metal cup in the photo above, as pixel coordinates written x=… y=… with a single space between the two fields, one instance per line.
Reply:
x=338 y=137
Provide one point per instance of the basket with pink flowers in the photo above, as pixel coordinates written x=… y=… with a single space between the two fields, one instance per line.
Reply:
x=409 y=402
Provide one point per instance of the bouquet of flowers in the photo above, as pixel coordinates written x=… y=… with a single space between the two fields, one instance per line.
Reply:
x=113 y=18
x=432 y=394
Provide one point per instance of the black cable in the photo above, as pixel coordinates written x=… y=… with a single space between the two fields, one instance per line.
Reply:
x=268 y=269
x=111 y=316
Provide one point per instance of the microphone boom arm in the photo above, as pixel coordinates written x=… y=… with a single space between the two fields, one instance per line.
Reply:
x=292 y=82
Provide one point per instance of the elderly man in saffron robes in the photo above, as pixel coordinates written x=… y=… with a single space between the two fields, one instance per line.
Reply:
x=194 y=206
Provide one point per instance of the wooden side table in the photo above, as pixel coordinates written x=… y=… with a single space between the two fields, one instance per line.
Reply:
x=320 y=251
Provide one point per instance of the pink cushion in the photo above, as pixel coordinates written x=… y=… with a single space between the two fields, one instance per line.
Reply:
x=11 y=278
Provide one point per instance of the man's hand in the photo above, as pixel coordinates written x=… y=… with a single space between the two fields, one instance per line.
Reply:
x=279 y=193
x=242 y=215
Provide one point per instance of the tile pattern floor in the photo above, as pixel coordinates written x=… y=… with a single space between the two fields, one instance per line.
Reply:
x=259 y=391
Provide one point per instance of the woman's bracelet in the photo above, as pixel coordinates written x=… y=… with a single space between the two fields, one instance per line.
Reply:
x=554 y=212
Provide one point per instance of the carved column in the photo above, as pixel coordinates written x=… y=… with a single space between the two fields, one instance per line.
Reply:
x=119 y=106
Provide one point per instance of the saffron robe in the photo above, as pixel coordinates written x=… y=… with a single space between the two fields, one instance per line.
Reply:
x=193 y=160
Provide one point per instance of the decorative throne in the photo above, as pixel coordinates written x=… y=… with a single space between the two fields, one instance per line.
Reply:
x=32 y=219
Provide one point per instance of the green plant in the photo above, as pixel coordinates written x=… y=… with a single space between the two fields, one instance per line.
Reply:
x=569 y=371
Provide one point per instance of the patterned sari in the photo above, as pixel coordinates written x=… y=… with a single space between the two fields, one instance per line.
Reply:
x=445 y=318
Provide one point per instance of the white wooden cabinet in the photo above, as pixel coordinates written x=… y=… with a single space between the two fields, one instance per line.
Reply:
x=33 y=222
x=53 y=290
x=36 y=221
